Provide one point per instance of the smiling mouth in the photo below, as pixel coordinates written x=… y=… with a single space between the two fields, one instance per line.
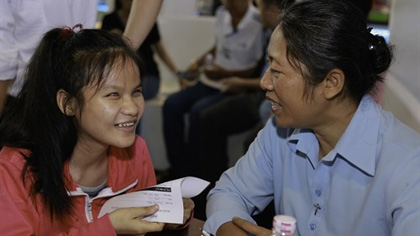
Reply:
x=125 y=125
x=275 y=105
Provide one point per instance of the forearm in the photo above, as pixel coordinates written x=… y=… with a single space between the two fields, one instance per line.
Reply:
x=224 y=203
x=251 y=83
x=166 y=58
x=200 y=61
x=247 y=73
x=4 y=86
x=143 y=15
x=245 y=189
x=222 y=73
x=229 y=229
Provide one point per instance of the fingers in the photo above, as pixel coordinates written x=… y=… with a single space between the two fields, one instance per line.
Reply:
x=129 y=220
x=141 y=212
x=241 y=223
x=188 y=208
x=145 y=226
x=151 y=226
x=188 y=203
x=250 y=227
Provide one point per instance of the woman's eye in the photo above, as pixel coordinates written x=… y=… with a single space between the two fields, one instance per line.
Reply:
x=275 y=73
x=138 y=91
x=114 y=94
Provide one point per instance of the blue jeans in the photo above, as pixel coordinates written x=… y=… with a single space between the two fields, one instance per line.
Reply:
x=150 y=88
x=181 y=148
x=151 y=84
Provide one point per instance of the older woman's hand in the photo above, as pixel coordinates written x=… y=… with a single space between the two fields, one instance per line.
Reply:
x=250 y=228
x=188 y=210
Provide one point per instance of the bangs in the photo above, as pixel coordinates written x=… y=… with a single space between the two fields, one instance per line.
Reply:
x=97 y=66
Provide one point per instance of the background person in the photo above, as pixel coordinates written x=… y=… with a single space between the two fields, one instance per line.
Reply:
x=142 y=17
x=22 y=24
x=238 y=112
x=238 y=49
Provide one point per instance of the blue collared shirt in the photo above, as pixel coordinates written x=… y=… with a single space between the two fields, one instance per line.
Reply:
x=369 y=184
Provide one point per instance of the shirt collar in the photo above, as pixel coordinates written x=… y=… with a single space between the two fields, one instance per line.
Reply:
x=249 y=15
x=357 y=145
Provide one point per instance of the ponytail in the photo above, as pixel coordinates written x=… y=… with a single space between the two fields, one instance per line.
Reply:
x=67 y=59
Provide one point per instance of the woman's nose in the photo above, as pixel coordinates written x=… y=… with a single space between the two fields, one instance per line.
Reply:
x=265 y=82
x=131 y=106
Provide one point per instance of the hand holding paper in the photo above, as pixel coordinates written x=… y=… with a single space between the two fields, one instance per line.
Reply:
x=167 y=195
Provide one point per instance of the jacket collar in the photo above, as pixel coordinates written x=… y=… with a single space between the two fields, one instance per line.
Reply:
x=120 y=172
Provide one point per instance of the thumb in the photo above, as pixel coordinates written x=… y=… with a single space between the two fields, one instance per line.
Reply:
x=143 y=211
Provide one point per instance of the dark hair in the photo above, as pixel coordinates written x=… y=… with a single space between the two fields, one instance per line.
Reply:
x=279 y=3
x=65 y=60
x=118 y=5
x=328 y=34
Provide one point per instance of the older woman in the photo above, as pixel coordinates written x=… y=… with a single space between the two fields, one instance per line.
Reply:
x=330 y=156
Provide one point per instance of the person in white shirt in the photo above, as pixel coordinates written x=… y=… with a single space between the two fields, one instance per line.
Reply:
x=239 y=47
x=23 y=22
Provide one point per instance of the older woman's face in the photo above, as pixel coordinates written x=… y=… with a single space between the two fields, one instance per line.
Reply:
x=285 y=88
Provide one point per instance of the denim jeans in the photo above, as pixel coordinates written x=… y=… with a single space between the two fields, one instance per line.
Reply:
x=182 y=146
x=150 y=89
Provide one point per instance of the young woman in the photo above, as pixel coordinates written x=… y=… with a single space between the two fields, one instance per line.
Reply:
x=330 y=156
x=69 y=142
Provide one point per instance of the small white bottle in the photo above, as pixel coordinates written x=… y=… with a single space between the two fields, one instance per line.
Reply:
x=208 y=62
x=284 y=225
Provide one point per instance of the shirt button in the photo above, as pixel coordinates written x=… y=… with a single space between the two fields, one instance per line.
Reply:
x=312 y=226
x=318 y=192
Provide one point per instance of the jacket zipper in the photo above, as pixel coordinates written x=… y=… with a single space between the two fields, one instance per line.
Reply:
x=89 y=214
x=88 y=201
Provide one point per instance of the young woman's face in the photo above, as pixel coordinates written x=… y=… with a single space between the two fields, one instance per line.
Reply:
x=112 y=111
x=285 y=88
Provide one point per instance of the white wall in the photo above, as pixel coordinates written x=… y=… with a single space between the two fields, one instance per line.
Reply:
x=402 y=85
x=405 y=35
x=178 y=7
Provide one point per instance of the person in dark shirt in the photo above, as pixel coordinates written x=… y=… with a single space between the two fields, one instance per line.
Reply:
x=116 y=22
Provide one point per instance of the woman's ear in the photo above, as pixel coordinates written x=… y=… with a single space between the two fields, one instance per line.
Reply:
x=334 y=83
x=65 y=103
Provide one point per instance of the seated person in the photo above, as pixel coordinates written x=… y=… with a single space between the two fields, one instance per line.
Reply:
x=68 y=142
x=330 y=156
x=239 y=47
x=238 y=112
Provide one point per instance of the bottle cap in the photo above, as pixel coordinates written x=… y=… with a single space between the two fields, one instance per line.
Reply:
x=284 y=224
